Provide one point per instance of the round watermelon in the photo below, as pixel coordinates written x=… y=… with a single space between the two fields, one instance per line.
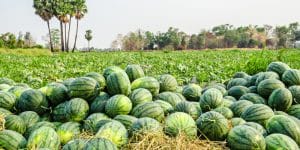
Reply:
x=226 y=112
x=167 y=83
x=118 y=105
x=77 y=144
x=266 y=75
x=291 y=77
x=231 y=98
x=68 y=131
x=29 y=118
x=215 y=86
x=237 y=121
x=211 y=99
x=99 y=78
x=258 y=113
x=295 y=90
x=148 y=83
x=140 y=96
x=253 y=89
x=237 y=82
x=77 y=109
x=134 y=72
x=84 y=87
x=145 y=125
x=68 y=82
x=213 y=125
x=240 y=75
x=110 y=70
x=180 y=123
x=254 y=98
x=7 y=100
x=98 y=104
x=15 y=123
x=38 y=125
x=59 y=112
x=278 y=67
x=11 y=140
x=17 y=91
x=99 y=144
x=227 y=103
x=7 y=81
x=275 y=141
x=148 y=109
x=257 y=126
x=238 y=91
x=118 y=83
x=239 y=107
x=189 y=108
x=4 y=87
x=253 y=79
x=167 y=107
x=56 y=93
x=171 y=98
x=280 y=99
x=44 y=137
x=294 y=111
x=192 y=92
x=90 y=123
x=245 y=138
x=32 y=100
x=266 y=87
x=126 y=120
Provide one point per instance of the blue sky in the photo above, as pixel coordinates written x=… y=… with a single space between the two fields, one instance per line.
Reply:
x=107 y=18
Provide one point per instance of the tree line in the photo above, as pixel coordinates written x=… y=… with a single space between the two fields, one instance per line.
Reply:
x=22 y=40
x=222 y=36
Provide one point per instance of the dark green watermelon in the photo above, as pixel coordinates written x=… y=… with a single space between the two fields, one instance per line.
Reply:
x=11 y=140
x=134 y=72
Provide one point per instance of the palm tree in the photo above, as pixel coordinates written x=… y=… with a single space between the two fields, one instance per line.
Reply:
x=43 y=8
x=71 y=13
x=80 y=10
x=88 y=37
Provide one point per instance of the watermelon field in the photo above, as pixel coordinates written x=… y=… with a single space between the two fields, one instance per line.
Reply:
x=164 y=100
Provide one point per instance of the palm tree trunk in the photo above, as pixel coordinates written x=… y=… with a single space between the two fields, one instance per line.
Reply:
x=69 y=30
x=62 y=37
x=51 y=44
x=65 y=25
x=77 y=24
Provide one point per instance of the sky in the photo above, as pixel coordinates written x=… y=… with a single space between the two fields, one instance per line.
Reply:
x=107 y=18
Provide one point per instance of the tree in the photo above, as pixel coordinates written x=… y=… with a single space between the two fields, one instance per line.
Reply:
x=28 y=40
x=44 y=9
x=88 y=37
x=55 y=39
x=80 y=10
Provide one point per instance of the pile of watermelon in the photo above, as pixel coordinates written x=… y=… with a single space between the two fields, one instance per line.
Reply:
x=260 y=112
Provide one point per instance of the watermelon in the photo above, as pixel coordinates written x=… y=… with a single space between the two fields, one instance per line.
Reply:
x=171 y=98
x=192 y=92
x=231 y=98
x=148 y=83
x=60 y=112
x=239 y=107
x=257 y=126
x=241 y=75
x=101 y=123
x=77 y=144
x=167 y=107
x=278 y=67
x=44 y=137
x=15 y=123
x=215 y=86
x=253 y=89
x=17 y=90
x=77 y=109
x=11 y=140
x=295 y=111
x=68 y=131
x=91 y=121
x=110 y=70
x=99 y=78
x=189 y=108
x=275 y=141
x=118 y=83
x=7 y=100
x=118 y=105
x=134 y=72
x=295 y=90
x=226 y=112
x=238 y=91
x=140 y=96
x=245 y=138
x=56 y=93
x=29 y=118
x=85 y=88
x=179 y=89
x=237 y=82
x=33 y=100
x=254 y=98
x=68 y=82
x=213 y=125
x=291 y=77
x=284 y=125
x=266 y=87
x=167 y=83
x=99 y=144
x=180 y=123
x=253 y=79
x=148 y=109
x=98 y=104
x=38 y=125
x=280 y=99
x=145 y=125
x=115 y=132
x=126 y=120
x=4 y=87
x=266 y=75
x=227 y=103
x=237 y=121
x=258 y=113
x=211 y=99
x=7 y=81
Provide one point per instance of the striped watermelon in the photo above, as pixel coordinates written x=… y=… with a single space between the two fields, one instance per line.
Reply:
x=99 y=144
x=77 y=144
x=68 y=131
x=32 y=100
x=77 y=109
x=266 y=75
x=226 y=112
x=15 y=123
x=240 y=75
x=110 y=70
x=140 y=96
x=238 y=91
x=258 y=113
x=68 y=82
x=254 y=98
x=29 y=118
x=38 y=125
x=115 y=132
x=266 y=87
x=59 y=112
x=167 y=83
x=291 y=77
x=7 y=81
x=11 y=140
x=171 y=98
x=85 y=88
x=99 y=78
x=134 y=72
x=98 y=104
x=258 y=127
x=56 y=93
x=280 y=99
x=118 y=105
x=118 y=83
x=189 y=108
x=7 y=100
x=295 y=111
x=239 y=107
x=148 y=109
x=213 y=125
x=90 y=123
x=167 y=107
x=101 y=123
x=145 y=126
x=44 y=137
x=237 y=82
x=245 y=138
x=148 y=83
x=180 y=123
x=211 y=99
x=275 y=141
x=253 y=89
x=215 y=86
x=126 y=120
x=253 y=79
x=295 y=90
x=278 y=67
x=237 y=121
x=4 y=87
x=192 y=92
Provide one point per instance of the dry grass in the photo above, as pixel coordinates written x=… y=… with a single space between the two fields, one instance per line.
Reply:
x=2 y=122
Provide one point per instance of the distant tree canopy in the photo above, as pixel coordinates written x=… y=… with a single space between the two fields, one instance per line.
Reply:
x=10 y=40
x=222 y=36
